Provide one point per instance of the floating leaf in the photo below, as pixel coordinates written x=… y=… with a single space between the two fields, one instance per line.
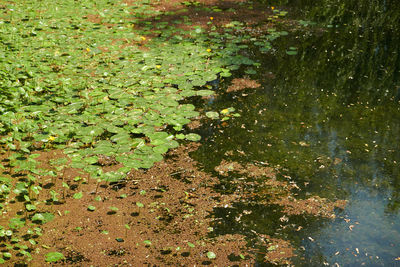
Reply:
x=30 y=207
x=91 y=208
x=211 y=255
x=205 y=92
x=7 y=255
x=225 y=118
x=91 y=160
x=212 y=115
x=43 y=217
x=16 y=223
x=38 y=217
x=121 y=138
x=180 y=136
x=225 y=111
x=291 y=53
x=78 y=195
x=192 y=137
x=54 y=256
x=161 y=149
x=250 y=71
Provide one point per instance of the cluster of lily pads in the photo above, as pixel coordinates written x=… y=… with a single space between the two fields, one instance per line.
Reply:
x=226 y=114
x=100 y=78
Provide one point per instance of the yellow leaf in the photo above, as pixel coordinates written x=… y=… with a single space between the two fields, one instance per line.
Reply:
x=224 y=111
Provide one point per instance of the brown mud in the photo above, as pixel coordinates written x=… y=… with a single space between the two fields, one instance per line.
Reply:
x=159 y=216
x=269 y=190
x=241 y=84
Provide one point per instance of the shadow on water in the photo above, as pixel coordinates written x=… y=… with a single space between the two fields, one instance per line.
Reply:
x=330 y=118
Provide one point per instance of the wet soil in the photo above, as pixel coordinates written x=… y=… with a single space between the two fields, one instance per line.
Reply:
x=156 y=217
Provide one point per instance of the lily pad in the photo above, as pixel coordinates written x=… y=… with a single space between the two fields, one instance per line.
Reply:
x=211 y=255
x=54 y=256
x=212 y=115
x=193 y=137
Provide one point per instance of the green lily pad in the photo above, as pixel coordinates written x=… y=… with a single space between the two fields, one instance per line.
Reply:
x=43 y=217
x=91 y=208
x=211 y=255
x=78 y=195
x=205 y=92
x=212 y=115
x=54 y=256
x=193 y=137
x=161 y=149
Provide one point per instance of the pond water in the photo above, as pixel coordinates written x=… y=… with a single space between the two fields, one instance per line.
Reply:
x=330 y=118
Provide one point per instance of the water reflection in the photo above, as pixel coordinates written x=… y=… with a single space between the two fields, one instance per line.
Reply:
x=331 y=119
x=365 y=236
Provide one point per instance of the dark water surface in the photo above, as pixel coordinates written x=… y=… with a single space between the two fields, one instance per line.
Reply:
x=330 y=118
